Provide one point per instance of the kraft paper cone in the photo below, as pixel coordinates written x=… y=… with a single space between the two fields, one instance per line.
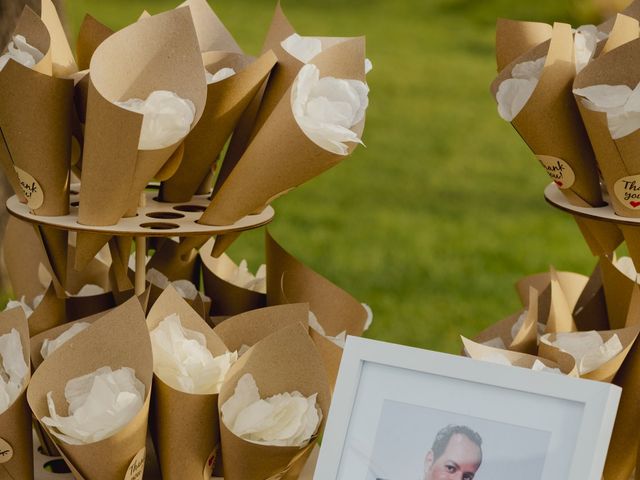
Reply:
x=572 y=285
x=555 y=310
x=52 y=333
x=285 y=361
x=617 y=292
x=226 y=100
x=92 y=33
x=608 y=370
x=290 y=281
x=35 y=119
x=550 y=123
x=631 y=235
x=624 y=30
x=223 y=242
x=61 y=55
x=563 y=361
x=55 y=243
x=281 y=156
x=185 y=426
x=15 y=422
x=119 y=339
x=602 y=237
x=251 y=327
x=157 y=53
x=526 y=339
x=622 y=455
x=121 y=284
x=227 y=298
x=632 y=10
x=305 y=467
x=50 y=313
x=590 y=312
x=514 y=38
x=23 y=255
x=211 y=32
x=87 y=305
x=96 y=272
x=617 y=159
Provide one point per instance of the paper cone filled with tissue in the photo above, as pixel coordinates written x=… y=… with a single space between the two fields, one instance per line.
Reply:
x=190 y=364
x=298 y=142
x=16 y=448
x=92 y=395
x=137 y=120
x=273 y=367
x=234 y=287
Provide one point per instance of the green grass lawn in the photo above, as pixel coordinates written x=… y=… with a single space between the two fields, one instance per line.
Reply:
x=434 y=221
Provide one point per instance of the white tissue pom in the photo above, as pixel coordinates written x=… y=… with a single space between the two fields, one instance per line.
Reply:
x=20 y=303
x=369 y=320
x=167 y=118
x=243 y=278
x=286 y=419
x=538 y=366
x=514 y=93
x=495 y=357
x=50 y=346
x=314 y=324
x=220 y=75
x=157 y=278
x=13 y=371
x=20 y=51
x=185 y=288
x=368 y=66
x=626 y=266
x=517 y=326
x=495 y=343
x=585 y=40
x=619 y=102
x=100 y=404
x=302 y=48
x=327 y=108
x=588 y=348
x=90 y=290
x=181 y=358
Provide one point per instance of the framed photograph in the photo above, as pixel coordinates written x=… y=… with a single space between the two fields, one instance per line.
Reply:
x=401 y=413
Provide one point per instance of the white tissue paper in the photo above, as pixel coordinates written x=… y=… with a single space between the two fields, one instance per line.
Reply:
x=585 y=41
x=181 y=358
x=286 y=419
x=369 y=320
x=619 y=102
x=20 y=51
x=517 y=326
x=302 y=48
x=185 y=288
x=220 y=75
x=243 y=278
x=327 y=108
x=626 y=266
x=514 y=93
x=588 y=348
x=167 y=118
x=50 y=346
x=368 y=66
x=13 y=371
x=495 y=357
x=28 y=310
x=100 y=404
x=495 y=343
x=538 y=366
x=339 y=339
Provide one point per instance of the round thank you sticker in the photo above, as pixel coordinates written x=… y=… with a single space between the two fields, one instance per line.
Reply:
x=31 y=189
x=209 y=464
x=560 y=171
x=6 y=452
x=627 y=191
x=136 y=467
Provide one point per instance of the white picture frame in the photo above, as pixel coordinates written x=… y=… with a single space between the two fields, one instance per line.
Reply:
x=387 y=395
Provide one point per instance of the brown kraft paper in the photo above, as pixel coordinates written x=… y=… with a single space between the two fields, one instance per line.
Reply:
x=514 y=38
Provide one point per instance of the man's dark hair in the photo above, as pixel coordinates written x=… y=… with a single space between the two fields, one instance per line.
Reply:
x=444 y=436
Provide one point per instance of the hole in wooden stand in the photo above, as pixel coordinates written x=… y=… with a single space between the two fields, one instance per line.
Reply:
x=159 y=225
x=75 y=204
x=165 y=215
x=190 y=208
x=74 y=192
x=56 y=466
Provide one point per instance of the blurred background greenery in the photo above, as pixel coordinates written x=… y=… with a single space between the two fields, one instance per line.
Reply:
x=435 y=220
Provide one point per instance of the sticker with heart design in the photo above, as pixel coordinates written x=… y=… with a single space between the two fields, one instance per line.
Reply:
x=6 y=452
x=31 y=189
x=627 y=191
x=560 y=172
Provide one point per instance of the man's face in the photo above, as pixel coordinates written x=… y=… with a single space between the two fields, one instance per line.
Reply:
x=460 y=460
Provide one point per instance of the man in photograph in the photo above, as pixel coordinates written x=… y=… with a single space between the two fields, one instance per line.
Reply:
x=456 y=454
